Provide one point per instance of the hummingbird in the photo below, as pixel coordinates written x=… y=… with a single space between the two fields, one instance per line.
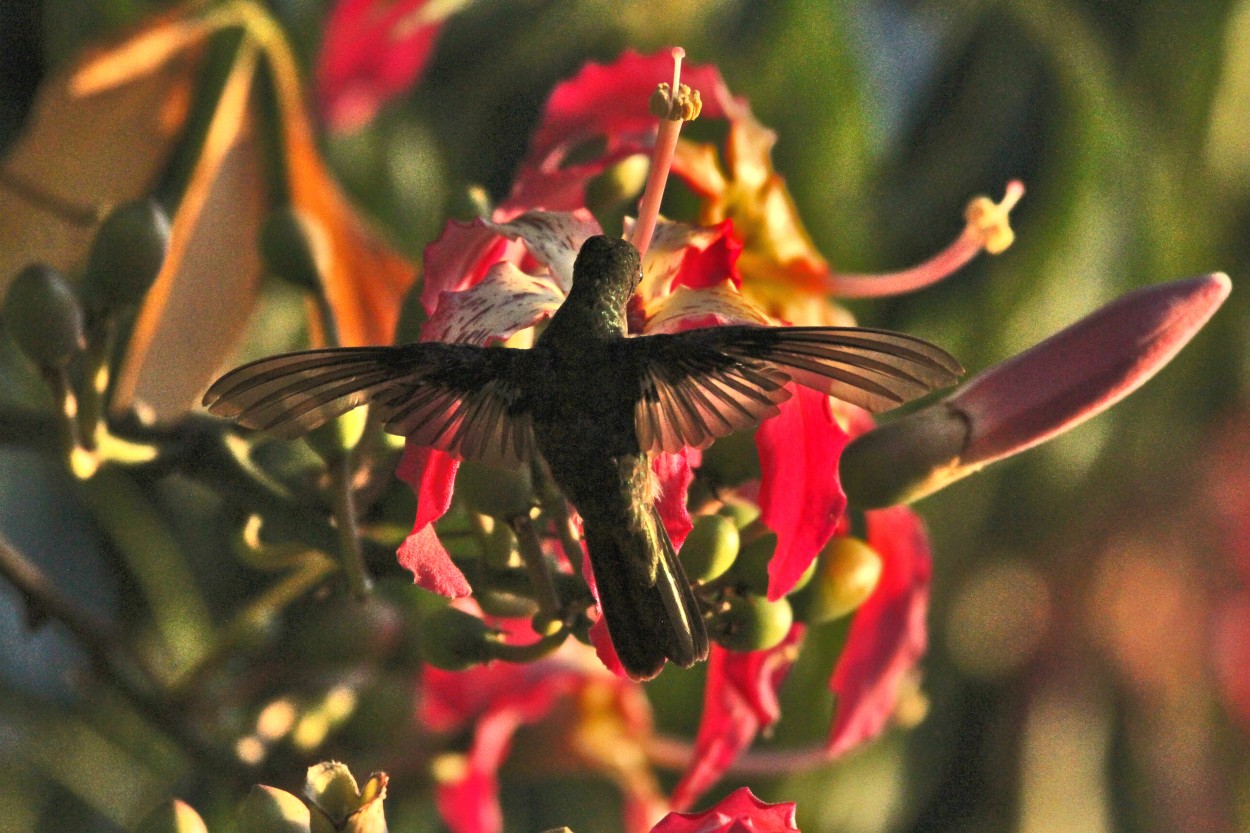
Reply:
x=595 y=404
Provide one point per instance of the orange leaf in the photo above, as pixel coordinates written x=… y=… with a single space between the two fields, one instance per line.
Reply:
x=199 y=304
x=365 y=279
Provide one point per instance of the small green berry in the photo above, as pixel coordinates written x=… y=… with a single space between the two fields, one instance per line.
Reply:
x=43 y=316
x=752 y=623
x=127 y=253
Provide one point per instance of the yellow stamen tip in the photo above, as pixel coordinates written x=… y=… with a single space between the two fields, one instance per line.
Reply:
x=990 y=221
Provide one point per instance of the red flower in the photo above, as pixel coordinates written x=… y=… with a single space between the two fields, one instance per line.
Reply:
x=740 y=701
x=373 y=51
x=888 y=634
x=739 y=812
x=498 y=698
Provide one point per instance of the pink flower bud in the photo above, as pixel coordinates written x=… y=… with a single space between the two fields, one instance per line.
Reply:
x=1034 y=396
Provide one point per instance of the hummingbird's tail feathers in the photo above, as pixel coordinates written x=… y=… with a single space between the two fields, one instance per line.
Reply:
x=647 y=624
x=706 y=383
x=457 y=398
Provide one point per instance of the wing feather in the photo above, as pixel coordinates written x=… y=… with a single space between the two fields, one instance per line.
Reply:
x=458 y=398
x=706 y=383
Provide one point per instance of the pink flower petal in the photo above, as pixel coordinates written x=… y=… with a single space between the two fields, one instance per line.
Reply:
x=431 y=565
x=460 y=258
x=431 y=475
x=740 y=700
x=373 y=50
x=740 y=810
x=506 y=301
x=516 y=696
x=605 y=103
x=688 y=309
x=699 y=257
x=553 y=238
x=888 y=634
x=1084 y=369
x=675 y=473
x=801 y=498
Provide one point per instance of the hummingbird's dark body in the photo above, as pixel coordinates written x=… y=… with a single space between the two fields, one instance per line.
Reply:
x=595 y=404
x=583 y=397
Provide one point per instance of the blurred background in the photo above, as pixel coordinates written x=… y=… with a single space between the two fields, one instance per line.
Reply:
x=1089 y=666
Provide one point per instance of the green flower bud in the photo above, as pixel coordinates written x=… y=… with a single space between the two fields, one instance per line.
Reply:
x=847 y=574
x=127 y=253
x=752 y=623
x=173 y=817
x=710 y=548
x=453 y=640
x=617 y=186
x=294 y=248
x=500 y=493
x=270 y=810
x=904 y=460
x=43 y=316
x=470 y=203
x=337 y=804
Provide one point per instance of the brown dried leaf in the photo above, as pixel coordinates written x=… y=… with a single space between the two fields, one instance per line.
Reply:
x=89 y=146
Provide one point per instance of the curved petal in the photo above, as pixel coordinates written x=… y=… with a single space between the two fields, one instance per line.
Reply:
x=504 y=302
x=801 y=498
x=553 y=237
x=888 y=634
x=740 y=699
x=740 y=812
x=431 y=475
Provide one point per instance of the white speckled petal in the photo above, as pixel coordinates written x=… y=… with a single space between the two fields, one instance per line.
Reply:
x=506 y=301
x=553 y=238
x=686 y=307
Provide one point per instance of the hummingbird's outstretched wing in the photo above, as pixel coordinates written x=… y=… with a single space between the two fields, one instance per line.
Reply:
x=707 y=383
x=458 y=398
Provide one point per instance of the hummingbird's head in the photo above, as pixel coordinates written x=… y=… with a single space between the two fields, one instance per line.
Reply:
x=607 y=267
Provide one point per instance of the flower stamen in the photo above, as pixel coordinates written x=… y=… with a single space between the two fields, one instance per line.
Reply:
x=672 y=104
x=988 y=229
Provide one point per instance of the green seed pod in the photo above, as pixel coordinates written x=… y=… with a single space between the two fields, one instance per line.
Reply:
x=752 y=623
x=499 y=493
x=270 y=810
x=294 y=248
x=453 y=640
x=43 y=316
x=710 y=548
x=848 y=572
x=127 y=253
x=750 y=568
x=173 y=817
